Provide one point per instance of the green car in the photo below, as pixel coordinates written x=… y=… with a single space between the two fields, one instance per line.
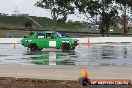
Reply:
x=49 y=39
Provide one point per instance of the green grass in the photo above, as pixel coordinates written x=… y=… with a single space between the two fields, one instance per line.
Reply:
x=11 y=26
x=13 y=22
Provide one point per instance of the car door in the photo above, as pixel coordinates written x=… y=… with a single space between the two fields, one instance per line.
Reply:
x=50 y=41
x=41 y=40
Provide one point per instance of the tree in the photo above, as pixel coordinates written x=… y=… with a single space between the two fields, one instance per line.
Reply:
x=125 y=7
x=106 y=12
x=104 y=8
x=106 y=18
x=59 y=9
x=87 y=7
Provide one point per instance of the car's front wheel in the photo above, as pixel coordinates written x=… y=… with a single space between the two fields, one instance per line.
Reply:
x=34 y=47
x=39 y=49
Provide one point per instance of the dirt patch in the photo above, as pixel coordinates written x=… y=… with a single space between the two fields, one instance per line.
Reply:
x=39 y=83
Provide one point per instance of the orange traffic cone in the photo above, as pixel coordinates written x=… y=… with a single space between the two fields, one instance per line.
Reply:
x=79 y=45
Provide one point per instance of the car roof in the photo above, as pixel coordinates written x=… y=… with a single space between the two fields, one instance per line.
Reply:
x=45 y=32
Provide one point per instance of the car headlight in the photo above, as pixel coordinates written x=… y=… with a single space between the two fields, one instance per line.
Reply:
x=29 y=40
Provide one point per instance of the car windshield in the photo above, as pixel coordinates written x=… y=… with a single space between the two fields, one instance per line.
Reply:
x=60 y=35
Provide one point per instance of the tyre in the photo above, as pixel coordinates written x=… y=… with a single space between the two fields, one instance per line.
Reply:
x=65 y=47
x=33 y=47
x=85 y=81
x=39 y=49
x=72 y=48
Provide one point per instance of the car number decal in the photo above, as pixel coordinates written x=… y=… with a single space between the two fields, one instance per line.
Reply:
x=52 y=43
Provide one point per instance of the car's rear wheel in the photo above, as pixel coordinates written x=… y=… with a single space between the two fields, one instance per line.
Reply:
x=72 y=48
x=65 y=47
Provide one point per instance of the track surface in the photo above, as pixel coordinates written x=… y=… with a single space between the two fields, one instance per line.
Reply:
x=96 y=55
x=102 y=61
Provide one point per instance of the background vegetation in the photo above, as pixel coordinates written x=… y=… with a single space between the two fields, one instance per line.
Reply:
x=104 y=14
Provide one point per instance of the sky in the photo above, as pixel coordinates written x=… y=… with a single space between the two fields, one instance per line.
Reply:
x=23 y=7
x=27 y=7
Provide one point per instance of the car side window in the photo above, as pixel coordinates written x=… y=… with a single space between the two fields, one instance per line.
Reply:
x=49 y=35
x=40 y=35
